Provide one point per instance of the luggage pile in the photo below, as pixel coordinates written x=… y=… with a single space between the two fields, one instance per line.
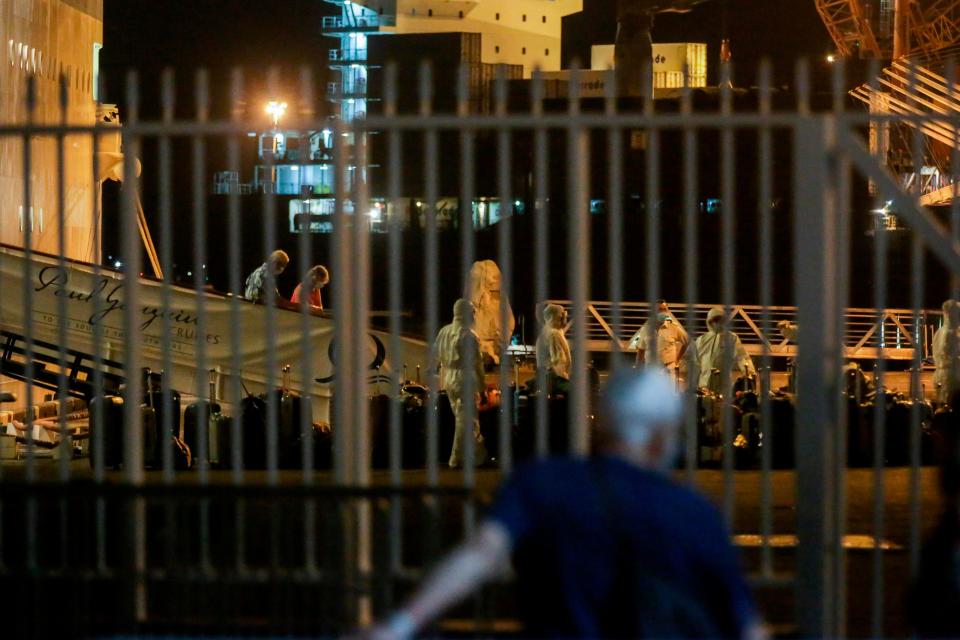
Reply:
x=206 y=432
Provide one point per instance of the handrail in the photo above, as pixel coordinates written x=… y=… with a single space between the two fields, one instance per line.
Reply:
x=864 y=336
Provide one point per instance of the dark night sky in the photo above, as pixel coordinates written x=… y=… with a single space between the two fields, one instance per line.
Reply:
x=151 y=34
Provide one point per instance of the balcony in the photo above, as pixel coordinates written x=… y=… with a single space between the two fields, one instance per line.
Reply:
x=341 y=24
x=353 y=89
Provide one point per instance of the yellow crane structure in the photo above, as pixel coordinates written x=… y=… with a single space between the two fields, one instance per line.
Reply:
x=849 y=26
x=914 y=37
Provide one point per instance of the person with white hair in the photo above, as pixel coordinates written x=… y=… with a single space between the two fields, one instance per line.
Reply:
x=717 y=346
x=946 y=352
x=458 y=353
x=256 y=284
x=553 y=348
x=608 y=546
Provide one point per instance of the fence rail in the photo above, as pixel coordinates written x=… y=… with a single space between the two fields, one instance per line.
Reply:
x=321 y=439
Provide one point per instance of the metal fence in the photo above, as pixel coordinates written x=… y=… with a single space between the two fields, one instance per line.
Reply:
x=290 y=528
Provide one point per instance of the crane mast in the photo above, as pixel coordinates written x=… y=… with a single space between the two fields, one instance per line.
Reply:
x=914 y=38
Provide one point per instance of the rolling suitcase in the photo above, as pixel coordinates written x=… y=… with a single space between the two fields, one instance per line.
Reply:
x=153 y=397
x=253 y=423
x=109 y=411
x=782 y=414
x=218 y=426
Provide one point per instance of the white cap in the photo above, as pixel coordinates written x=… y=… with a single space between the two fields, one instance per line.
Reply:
x=637 y=402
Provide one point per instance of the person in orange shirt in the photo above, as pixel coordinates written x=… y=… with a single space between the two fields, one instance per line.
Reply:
x=318 y=277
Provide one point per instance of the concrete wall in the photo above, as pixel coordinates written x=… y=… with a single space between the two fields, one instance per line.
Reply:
x=47 y=39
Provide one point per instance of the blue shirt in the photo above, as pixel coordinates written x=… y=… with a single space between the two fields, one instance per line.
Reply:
x=567 y=557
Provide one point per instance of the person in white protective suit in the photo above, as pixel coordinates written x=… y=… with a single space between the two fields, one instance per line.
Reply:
x=457 y=344
x=946 y=352
x=661 y=340
x=485 y=295
x=713 y=347
x=553 y=349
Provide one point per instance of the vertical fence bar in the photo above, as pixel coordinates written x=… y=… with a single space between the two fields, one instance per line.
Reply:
x=306 y=115
x=96 y=418
x=431 y=271
x=766 y=301
x=395 y=262
x=63 y=389
x=505 y=254
x=842 y=209
x=614 y=218
x=360 y=250
x=271 y=302
x=652 y=156
x=199 y=149
x=26 y=220
x=167 y=100
x=815 y=290
x=578 y=258
x=234 y=236
x=727 y=287
x=541 y=257
x=690 y=273
x=165 y=206
x=879 y=415
x=950 y=73
x=133 y=441
x=467 y=256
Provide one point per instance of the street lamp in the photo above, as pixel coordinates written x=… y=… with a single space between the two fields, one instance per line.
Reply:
x=276 y=110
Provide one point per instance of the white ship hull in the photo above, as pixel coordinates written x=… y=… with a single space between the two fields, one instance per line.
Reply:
x=79 y=286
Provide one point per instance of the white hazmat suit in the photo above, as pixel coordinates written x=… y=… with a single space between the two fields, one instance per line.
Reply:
x=553 y=349
x=457 y=344
x=946 y=352
x=485 y=295
x=713 y=347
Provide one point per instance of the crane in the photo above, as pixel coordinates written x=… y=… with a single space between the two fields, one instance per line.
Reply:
x=633 y=44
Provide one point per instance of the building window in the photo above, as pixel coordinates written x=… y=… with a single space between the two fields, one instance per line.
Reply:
x=543 y=19
x=523 y=51
x=546 y=52
x=496 y=49
x=498 y=16
x=461 y=14
x=524 y=17
x=430 y=13
x=413 y=11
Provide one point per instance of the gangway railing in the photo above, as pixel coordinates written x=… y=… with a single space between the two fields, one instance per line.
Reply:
x=865 y=338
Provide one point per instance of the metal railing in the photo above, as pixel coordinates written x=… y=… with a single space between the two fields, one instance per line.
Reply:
x=863 y=337
x=319 y=398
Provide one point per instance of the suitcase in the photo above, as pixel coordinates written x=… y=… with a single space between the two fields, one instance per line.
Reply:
x=109 y=410
x=380 y=431
x=253 y=426
x=782 y=421
x=219 y=428
x=153 y=397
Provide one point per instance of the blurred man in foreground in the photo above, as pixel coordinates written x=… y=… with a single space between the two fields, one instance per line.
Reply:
x=603 y=547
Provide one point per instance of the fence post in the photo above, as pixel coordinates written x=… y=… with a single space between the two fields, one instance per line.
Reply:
x=818 y=360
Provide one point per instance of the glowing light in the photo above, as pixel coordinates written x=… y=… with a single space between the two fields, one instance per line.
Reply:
x=831 y=58
x=117 y=264
x=276 y=110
